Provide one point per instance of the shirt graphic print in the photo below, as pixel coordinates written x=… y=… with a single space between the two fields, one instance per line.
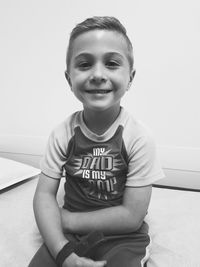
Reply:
x=95 y=172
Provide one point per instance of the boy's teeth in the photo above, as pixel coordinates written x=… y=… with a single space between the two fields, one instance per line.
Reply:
x=99 y=91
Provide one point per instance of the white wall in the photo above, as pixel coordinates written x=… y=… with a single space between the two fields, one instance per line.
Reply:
x=34 y=95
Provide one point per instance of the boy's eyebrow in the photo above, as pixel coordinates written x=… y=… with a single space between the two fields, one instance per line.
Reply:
x=83 y=55
x=111 y=54
x=90 y=55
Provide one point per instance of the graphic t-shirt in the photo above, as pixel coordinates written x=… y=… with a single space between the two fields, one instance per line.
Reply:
x=99 y=167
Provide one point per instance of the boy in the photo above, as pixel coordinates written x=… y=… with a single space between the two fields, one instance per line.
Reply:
x=109 y=159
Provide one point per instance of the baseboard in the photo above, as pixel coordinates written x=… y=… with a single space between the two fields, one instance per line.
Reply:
x=20 y=144
x=25 y=149
x=180 y=158
x=32 y=160
x=181 y=179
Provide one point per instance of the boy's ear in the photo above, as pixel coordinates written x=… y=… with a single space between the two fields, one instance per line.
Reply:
x=68 y=78
x=132 y=75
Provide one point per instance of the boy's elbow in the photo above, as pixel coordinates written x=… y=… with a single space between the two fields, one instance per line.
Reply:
x=40 y=200
x=137 y=225
x=36 y=202
x=134 y=223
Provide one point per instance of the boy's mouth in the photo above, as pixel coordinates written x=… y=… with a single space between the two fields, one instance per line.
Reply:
x=98 y=91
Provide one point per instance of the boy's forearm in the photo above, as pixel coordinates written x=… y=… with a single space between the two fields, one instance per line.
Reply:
x=48 y=219
x=113 y=220
x=125 y=218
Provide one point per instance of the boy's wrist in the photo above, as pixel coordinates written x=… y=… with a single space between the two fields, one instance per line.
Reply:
x=81 y=248
x=58 y=247
x=66 y=251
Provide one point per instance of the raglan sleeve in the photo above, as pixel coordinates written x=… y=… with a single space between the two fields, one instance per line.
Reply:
x=54 y=158
x=144 y=167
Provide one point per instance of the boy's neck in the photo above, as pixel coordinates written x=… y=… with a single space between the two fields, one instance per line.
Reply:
x=99 y=121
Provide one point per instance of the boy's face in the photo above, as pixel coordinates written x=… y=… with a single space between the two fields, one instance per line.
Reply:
x=99 y=72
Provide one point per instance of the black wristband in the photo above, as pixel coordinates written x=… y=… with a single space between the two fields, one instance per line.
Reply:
x=64 y=253
x=81 y=248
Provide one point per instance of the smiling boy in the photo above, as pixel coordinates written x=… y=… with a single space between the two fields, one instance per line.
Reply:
x=109 y=159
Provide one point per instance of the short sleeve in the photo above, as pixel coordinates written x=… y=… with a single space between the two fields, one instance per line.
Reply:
x=144 y=167
x=55 y=155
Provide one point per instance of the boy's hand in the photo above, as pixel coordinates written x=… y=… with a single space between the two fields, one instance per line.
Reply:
x=75 y=261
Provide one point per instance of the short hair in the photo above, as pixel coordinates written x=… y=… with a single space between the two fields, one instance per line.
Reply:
x=101 y=23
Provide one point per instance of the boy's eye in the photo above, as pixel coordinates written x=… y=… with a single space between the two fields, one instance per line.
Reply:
x=112 y=64
x=84 y=65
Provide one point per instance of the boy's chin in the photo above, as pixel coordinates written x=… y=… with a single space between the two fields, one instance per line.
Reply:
x=100 y=108
x=95 y=109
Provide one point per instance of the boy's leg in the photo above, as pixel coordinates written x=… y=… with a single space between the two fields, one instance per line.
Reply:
x=125 y=252
x=129 y=250
x=42 y=258
x=126 y=255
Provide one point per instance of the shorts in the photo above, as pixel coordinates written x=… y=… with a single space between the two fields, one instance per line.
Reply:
x=127 y=250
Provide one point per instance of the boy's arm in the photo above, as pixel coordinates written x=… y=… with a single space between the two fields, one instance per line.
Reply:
x=47 y=213
x=124 y=218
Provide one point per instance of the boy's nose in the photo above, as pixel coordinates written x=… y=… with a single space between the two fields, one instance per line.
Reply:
x=98 y=74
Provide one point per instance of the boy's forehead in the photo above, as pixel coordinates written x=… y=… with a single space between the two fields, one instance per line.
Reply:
x=100 y=34
x=103 y=40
